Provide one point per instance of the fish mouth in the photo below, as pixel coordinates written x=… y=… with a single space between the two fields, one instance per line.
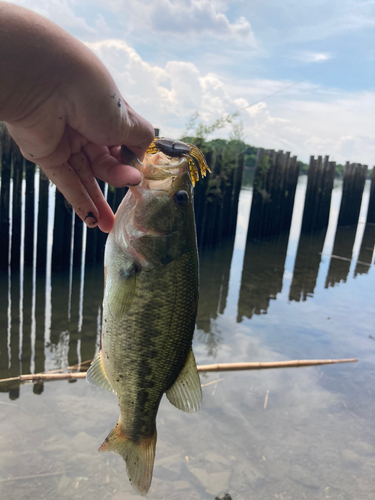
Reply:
x=159 y=171
x=160 y=167
x=163 y=174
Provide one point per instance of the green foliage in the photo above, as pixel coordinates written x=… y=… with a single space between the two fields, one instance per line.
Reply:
x=201 y=131
x=339 y=170
x=222 y=157
x=303 y=167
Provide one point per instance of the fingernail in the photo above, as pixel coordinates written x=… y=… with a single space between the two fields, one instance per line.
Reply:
x=90 y=223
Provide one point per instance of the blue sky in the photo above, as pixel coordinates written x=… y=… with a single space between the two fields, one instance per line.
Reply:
x=174 y=58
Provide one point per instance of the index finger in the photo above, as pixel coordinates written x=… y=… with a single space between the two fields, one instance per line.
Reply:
x=108 y=168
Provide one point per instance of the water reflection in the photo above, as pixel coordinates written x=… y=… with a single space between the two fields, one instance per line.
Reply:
x=306 y=266
x=213 y=291
x=366 y=251
x=235 y=443
x=51 y=317
x=262 y=275
x=341 y=255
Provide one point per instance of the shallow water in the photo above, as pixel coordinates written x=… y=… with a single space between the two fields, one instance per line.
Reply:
x=290 y=434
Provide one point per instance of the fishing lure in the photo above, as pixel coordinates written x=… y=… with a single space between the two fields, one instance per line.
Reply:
x=175 y=149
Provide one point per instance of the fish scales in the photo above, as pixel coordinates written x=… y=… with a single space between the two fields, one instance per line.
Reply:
x=150 y=306
x=160 y=337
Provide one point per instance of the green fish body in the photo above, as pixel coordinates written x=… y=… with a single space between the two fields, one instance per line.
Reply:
x=149 y=310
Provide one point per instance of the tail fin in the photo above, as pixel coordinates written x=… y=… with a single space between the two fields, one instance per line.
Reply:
x=139 y=457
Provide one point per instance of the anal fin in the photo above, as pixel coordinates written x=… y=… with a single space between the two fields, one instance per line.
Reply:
x=96 y=374
x=186 y=393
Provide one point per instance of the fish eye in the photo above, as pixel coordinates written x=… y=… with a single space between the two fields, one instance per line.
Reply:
x=180 y=198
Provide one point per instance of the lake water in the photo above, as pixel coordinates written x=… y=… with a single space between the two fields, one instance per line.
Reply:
x=289 y=434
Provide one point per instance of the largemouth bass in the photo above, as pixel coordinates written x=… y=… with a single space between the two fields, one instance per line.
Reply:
x=150 y=306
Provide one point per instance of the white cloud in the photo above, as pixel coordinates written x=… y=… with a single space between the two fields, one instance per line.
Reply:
x=58 y=11
x=347 y=146
x=101 y=25
x=313 y=57
x=305 y=119
x=334 y=123
x=198 y=18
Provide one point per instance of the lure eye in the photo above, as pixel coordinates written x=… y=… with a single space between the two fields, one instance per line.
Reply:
x=180 y=198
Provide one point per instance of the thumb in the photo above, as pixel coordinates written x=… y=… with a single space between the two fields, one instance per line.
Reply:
x=138 y=133
x=106 y=119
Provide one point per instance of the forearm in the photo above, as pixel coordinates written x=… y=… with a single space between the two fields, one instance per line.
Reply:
x=39 y=59
x=23 y=72
x=64 y=110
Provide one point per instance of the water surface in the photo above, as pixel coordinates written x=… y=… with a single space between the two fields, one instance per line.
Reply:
x=291 y=434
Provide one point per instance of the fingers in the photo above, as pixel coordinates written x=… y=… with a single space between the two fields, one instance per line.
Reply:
x=75 y=179
x=105 y=118
x=96 y=201
x=76 y=182
x=108 y=167
x=139 y=135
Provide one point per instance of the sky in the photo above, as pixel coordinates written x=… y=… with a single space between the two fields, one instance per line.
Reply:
x=302 y=72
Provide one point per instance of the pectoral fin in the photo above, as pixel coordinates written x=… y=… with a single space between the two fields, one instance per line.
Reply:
x=97 y=376
x=186 y=393
x=121 y=292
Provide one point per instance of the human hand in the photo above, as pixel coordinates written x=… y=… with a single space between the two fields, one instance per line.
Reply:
x=67 y=114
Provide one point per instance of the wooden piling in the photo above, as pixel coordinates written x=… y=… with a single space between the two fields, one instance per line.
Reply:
x=101 y=237
x=371 y=205
x=275 y=182
x=29 y=212
x=95 y=238
x=289 y=193
x=6 y=163
x=216 y=195
x=200 y=202
x=231 y=198
x=352 y=191
x=62 y=232
x=18 y=163
x=77 y=241
x=4 y=318
x=41 y=256
x=320 y=177
x=214 y=199
x=115 y=197
x=91 y=243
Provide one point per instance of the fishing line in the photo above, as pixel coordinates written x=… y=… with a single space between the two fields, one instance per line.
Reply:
x=267 y=96
x=233 y=115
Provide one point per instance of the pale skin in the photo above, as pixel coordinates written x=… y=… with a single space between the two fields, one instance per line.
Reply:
x=66 y=113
